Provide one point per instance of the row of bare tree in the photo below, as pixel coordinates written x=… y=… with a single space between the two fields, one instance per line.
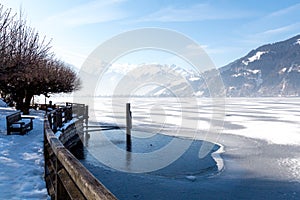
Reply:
x=27 y=66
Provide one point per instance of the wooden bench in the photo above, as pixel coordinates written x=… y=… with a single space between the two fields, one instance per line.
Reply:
x=17 y=123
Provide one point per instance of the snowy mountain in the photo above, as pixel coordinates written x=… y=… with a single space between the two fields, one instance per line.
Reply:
x=186 y=85
x=270 y=70
x=153 y=79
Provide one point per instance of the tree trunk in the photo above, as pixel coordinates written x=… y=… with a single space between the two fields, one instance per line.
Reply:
x=26 y=104
x=19 y=102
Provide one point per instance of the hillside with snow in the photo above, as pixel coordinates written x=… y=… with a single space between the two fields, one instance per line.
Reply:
x=270 y=70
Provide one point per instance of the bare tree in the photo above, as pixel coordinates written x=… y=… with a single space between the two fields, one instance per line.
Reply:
x=27 y=67
x=6 y=18
x=49 y=76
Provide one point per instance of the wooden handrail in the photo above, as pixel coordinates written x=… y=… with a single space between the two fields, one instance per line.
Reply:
x=63 y=114
x=65 y=176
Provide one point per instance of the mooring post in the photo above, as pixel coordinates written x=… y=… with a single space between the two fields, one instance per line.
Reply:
x=86 y=116
x=128 y=127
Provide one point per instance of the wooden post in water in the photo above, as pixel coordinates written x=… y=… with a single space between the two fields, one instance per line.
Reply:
x=86 y=116
x=128 y=127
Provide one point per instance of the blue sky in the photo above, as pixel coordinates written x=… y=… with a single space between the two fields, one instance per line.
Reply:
x=226 y=29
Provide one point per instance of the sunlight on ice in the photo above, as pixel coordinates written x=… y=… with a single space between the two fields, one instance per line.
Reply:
x=293 y=166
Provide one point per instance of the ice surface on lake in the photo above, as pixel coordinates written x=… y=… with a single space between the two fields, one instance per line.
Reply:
x=276 y=121
x=292 y=165
x=273 y=120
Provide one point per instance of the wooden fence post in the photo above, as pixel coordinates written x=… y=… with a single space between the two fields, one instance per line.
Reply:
x=59 y=118
x=128 y=127
x=86 y=115
x=54 y=121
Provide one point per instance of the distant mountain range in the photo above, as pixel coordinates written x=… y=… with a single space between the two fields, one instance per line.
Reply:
x=271 y=70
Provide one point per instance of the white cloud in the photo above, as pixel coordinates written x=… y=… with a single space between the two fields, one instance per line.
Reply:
x=285 y=11
x=280 y=30
x=72 y=57
x=271 y=27
x=272 y=34
x=197 y=12
x=90 y=13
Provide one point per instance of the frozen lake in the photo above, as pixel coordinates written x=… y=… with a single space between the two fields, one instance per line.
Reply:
x=258 y=148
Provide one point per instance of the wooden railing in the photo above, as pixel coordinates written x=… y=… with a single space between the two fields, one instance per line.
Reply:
x=63 y=114
x=66 y=177
x=78 y=109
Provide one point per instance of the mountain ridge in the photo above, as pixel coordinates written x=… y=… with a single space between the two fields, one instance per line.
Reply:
x=269 y=70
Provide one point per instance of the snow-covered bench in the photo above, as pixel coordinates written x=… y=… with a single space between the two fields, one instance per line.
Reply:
x=17 y=123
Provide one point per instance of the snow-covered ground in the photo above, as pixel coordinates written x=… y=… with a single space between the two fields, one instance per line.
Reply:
x=22 y=161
